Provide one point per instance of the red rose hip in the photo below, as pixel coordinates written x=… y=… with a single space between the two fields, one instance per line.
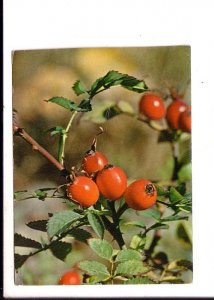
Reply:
x=141 y=194
x=152 y=106
x=94 y=161
x=174 y=111
x=112 y=182
x=83 y=190
x=70 y=278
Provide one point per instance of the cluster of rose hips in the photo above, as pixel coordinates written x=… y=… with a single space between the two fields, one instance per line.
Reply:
x=177 y=114
x=97 y=177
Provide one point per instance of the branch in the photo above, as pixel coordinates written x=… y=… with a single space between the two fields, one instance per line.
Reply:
x=22 y=133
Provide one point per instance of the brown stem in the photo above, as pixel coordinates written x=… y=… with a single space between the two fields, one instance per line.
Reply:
x=22 y=133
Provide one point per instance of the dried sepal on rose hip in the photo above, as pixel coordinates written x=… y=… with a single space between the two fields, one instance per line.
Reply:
x=83 y=190
x=141 y=194
x=70 y=278
x=152 y=106
x=94 y=160
x=112 y=182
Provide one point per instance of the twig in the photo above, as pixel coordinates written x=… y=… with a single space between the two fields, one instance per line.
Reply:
x=22 y=133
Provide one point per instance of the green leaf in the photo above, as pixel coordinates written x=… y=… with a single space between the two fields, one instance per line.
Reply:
x=139 y=280
x=174 y=196
x=80 y=234
x=102 y=248
x=70 y=105
x=19 y=260
x=173 y=218
x=38 y=225
x=180 y=264
x=138 y=241
x=128 y=254
x=95 y=279
x=185 y=173
x=113 y=78
x=130 y=267
x=61 y=101
x=61 y=221
x=96 y=223
x=60 y=249
x=94 y=268
x=151 y=213
x=22 y=241
x=56 y=130
x=78 y=88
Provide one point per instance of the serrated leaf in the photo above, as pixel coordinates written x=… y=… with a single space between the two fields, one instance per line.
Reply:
x=94 y=268
x=138 y=241
x=151 y=213
x=174 y=218
x=70 y=105
x=61 y=221
x=80 y=234
x=19 y=260
x=113 y=78
x=174 y=195
x=128 y=254
x=38 y=225
x=102 y=248
x=78 y=88
x=60 y=249
x=139 y=280
x=130 y=267
x=180 y=264
x=96 y=223
x=22 y=241
x=61 y=101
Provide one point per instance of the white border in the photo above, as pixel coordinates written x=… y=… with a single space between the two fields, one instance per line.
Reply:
x=39 y=24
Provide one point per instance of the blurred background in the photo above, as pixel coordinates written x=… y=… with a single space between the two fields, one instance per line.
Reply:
x=41 y=74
